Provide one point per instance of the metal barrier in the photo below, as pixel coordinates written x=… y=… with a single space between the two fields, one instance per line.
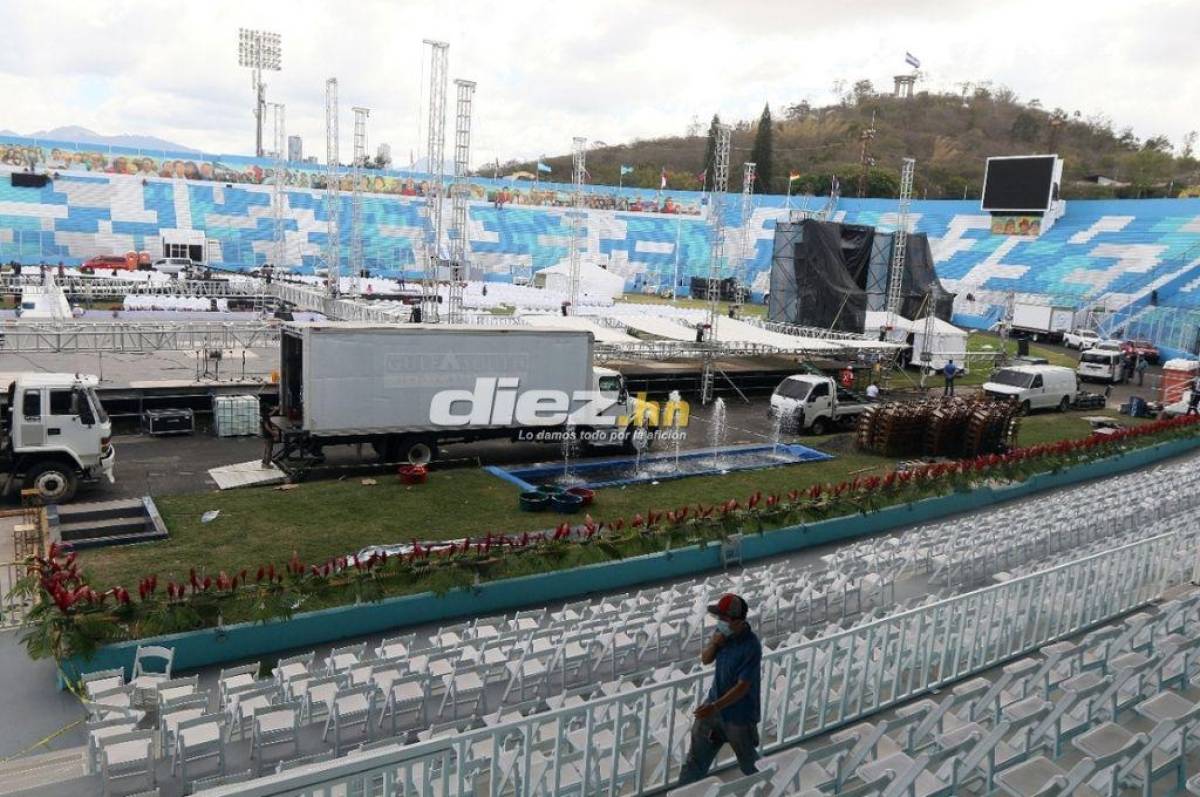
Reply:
x=104 y=288
x=634 y=742
x=86 y=336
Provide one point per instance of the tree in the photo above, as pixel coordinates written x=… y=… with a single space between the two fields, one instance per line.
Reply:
x=1159 y=143
x=710 y=149
x=863 y=91
x=694 y=127
x=1024 y=127
x=762 y=152
x=1189 y=144
x=1127 y=139
x=797 y=112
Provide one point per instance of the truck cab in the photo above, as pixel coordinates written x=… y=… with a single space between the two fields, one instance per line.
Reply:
x=815 y=403
x=55 y=434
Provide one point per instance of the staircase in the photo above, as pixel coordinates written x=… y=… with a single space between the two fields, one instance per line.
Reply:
x=101 y=523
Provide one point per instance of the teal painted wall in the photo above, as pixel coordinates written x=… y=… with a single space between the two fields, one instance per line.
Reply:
x=211 y=646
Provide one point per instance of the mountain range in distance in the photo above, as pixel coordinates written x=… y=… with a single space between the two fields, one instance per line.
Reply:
x=82 y=135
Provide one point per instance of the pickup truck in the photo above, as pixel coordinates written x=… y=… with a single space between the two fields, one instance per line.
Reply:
x=814 y=403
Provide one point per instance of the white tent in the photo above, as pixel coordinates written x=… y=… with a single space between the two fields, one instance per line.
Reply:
x=898 y=326
x=593 y=280
x=946 y=342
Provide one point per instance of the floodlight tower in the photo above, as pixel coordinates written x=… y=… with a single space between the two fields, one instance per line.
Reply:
x=744 y=240
x=578 y=170
x=716 y=254
x=459 y=193
x=280 y=144
x=259 y=50
x=896 y=274
x=439 y=52
x=356 y=232
x=332 y=198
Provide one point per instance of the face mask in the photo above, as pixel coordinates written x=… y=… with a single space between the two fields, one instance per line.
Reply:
x=723 y=628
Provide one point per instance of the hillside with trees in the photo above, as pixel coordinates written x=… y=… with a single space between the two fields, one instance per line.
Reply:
x=950 y=135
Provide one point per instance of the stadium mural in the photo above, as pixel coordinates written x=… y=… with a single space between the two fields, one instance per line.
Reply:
x=233 y=169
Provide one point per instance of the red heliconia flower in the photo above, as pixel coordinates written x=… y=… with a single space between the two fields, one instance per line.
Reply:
x=772 y=501
x=271 y=572
x=814 y=492
x=683 y=512
x=671 y=517
x=222 y=581
x=192 y=578
x=589 y=524
x=638 y=521
x=618 y=524
x=233 y=585
x=260 y=575
x=122 y=595
x=653 y=517
x=793 y=495
x=207 y=583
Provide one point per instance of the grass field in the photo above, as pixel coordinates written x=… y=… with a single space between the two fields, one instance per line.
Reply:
x=327 y=518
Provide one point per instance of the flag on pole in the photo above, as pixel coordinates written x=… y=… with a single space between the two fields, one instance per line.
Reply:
x=702 y=177
x=626 y=170
x=663 y=181
x=911 y=60
x=793 y=177
x=543 y=167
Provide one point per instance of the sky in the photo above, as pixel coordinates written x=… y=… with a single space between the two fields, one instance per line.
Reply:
x=612 y=71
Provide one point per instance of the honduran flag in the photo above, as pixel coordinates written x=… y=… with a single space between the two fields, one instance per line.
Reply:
x=543 y=167
x=626 y=170
x=911 y=60
x=663 y=181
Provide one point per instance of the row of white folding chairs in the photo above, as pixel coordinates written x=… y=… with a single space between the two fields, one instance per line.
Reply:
x=1022 y=720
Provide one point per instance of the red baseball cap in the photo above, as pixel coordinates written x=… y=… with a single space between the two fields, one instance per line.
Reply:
x=731 y=606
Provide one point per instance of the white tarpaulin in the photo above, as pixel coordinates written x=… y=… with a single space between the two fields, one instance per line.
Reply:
x=593 y=280
x=602 y=333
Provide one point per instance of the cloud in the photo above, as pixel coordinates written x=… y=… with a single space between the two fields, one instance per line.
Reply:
x=548 y=71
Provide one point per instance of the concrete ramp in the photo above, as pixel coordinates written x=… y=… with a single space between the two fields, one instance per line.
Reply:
x=246 y=474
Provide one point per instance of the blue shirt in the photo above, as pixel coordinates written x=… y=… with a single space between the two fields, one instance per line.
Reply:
x=739 y=659
x=950 y=370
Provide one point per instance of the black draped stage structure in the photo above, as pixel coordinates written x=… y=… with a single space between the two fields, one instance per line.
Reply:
x=829 y=275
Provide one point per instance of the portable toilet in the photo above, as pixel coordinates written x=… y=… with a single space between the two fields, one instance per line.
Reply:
x=1176 y=379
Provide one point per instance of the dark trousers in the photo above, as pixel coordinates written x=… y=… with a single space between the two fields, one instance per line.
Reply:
x=708 y=736
x=949 y=391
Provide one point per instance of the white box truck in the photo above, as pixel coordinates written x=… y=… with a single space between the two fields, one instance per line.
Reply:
x=1042 y=321
x=408 y=389
x=54 y=434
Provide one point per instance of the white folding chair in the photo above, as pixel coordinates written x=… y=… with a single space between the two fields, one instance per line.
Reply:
x=127 y=755
x=151 y=666
x=199 y=739
x=275 y=726
x=348 y=708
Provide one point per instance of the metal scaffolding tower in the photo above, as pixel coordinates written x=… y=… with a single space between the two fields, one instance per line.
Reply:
x=356 y=231
x=332 y=199
x=436 y=161
x=742 y=271
x=578 y=170
x=900 y=243
x=279 y=257
x=459 y=194
x=716 y=216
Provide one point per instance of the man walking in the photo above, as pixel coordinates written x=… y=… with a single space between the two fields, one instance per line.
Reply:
x=730 y=712
x=950 y=371
x=1140 y=368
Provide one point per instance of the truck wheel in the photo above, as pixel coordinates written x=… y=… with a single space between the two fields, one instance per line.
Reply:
x=1025 y=407
x=56 y=483
x=1065 y=404
x=819 y=427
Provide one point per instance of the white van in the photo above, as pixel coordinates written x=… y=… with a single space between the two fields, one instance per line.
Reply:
x=1034 y=386
x=1100 y=365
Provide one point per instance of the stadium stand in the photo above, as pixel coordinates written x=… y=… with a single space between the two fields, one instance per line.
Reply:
x=1138 y=259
